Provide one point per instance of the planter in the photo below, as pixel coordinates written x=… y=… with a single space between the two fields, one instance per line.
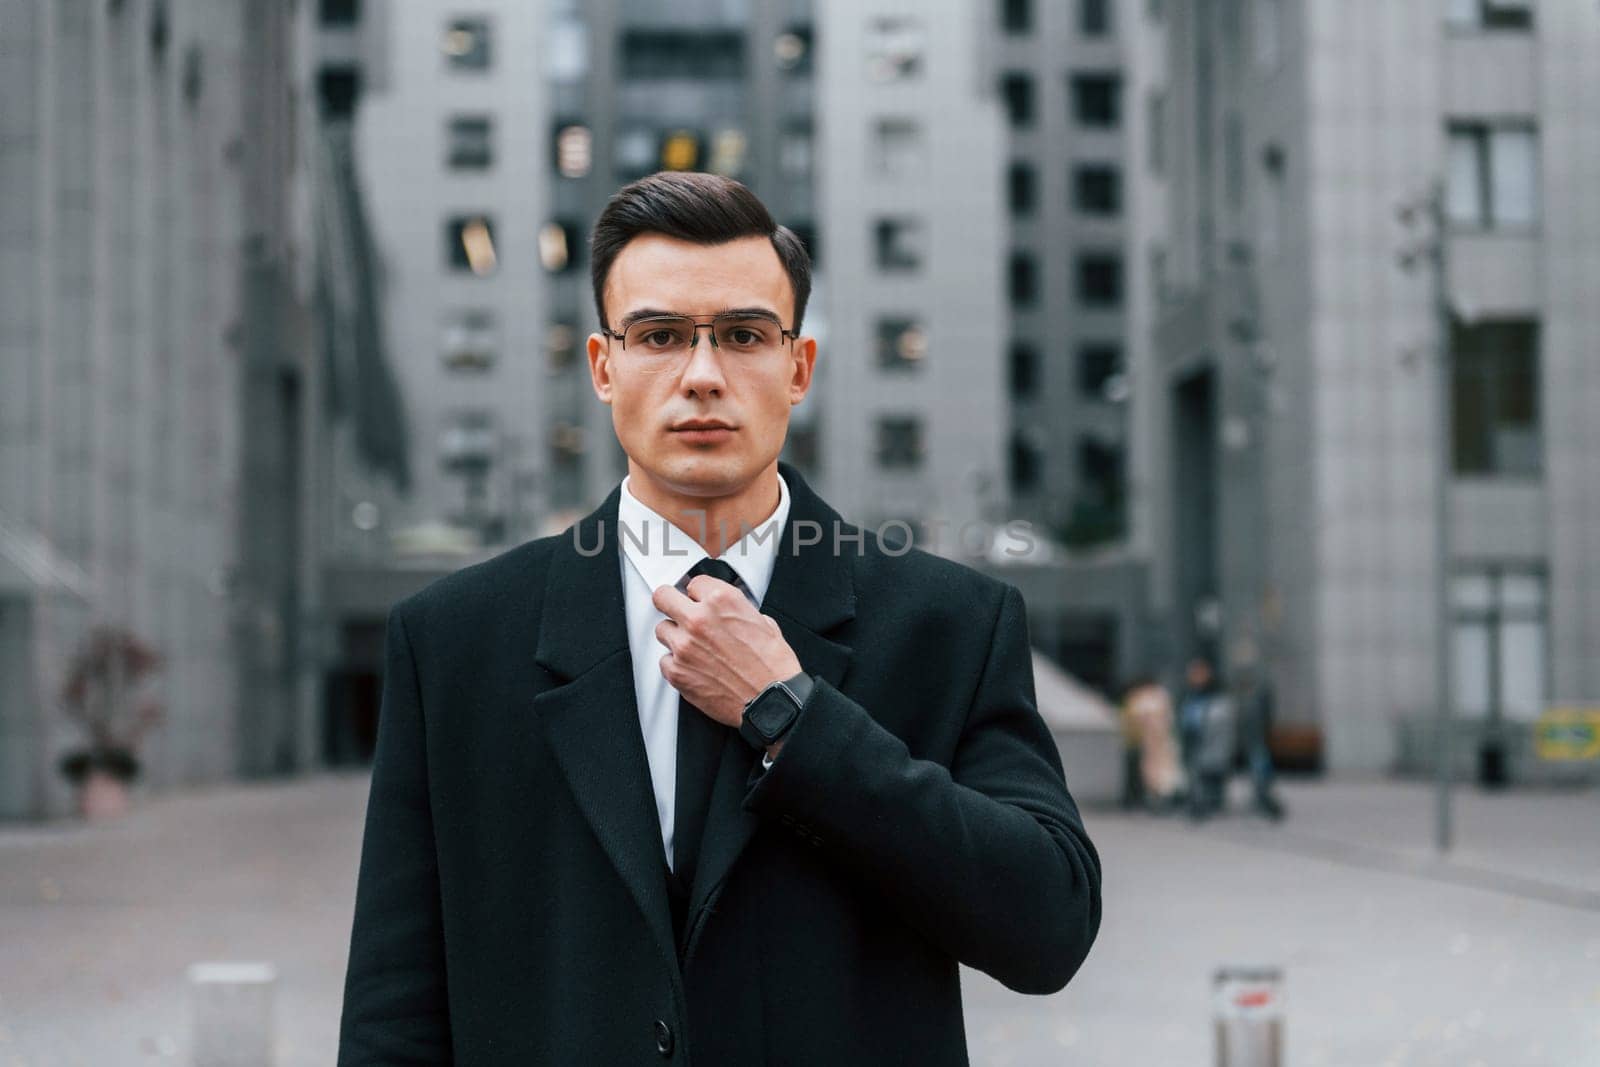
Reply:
x=102 y=795
x=102 y=776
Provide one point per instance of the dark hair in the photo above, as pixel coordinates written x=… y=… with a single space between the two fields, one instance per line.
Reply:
x=707 y=209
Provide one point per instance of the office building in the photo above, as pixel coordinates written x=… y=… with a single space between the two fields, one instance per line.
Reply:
x=1298 y=365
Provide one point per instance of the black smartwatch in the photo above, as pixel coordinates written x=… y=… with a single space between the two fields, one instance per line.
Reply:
x=769 y=714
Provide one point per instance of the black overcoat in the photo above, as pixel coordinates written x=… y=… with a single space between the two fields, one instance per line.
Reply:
x=511 y=906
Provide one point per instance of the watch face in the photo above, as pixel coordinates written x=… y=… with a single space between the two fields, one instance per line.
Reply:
x=772 y=712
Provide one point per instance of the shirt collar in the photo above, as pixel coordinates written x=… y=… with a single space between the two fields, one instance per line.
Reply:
x=661 y=553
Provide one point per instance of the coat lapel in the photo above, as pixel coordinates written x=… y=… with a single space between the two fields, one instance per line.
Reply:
x=592 y=721
x=811 y=593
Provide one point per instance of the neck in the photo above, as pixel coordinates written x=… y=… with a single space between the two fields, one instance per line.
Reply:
x=713 y=522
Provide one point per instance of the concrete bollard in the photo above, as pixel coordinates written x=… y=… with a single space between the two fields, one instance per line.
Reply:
x=232 y=1014
x=1248 y=1005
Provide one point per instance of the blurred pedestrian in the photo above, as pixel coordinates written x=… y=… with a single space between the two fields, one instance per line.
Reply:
x=1147 y=715
x=1255 y=730
x=1206 y=733
x=1133 y=796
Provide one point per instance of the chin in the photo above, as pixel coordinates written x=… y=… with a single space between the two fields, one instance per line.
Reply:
x=709 y=469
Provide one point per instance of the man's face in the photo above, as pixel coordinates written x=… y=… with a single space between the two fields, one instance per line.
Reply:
x=1199 y=674
x=651 y=398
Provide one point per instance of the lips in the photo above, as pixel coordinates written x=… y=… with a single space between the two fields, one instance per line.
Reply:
x=683 y=427
x=702 y=432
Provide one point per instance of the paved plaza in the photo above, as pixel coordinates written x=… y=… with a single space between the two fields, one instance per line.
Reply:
x=1391 y=956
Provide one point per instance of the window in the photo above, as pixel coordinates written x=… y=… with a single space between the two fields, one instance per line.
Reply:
x=898 y=148
x=567 y=444
x=729 y=149
x=1500 y=640
x=339 y=12
x=1024 y=279
x=1494 y=177
x=1100 y=279
x=1098 y=367
x=1023 y=188
x=471 y=340
x=466 y=44
x=560 y=345
x=574 y=148
x=1024 y=369
x=338 y=89
x=1096 y=100
x=902 y=344
x=899 y=244
x=469 y=241
x=1094 y=17
x=791 y=50
x=899 y=441
x=1274 y=204
x=1100 y=486
x=1155 y=106
x=1490 y=14
x=467 y=449
x=803 y=445
x=559 y=245
x=469 y=142
x=686 y=55
x=681 y=150
x=634 y=153
x=1027 y=463
x=795 y=150
x=894 y=48
x=1495 y=394
x=567 y=50
x=1017 y=88
x=1268 y=32
x=1016 y=16
x=807 y=232
x=1097 y=189
x=467 y=443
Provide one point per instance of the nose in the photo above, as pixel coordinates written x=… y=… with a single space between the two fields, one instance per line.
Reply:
x=703 y=373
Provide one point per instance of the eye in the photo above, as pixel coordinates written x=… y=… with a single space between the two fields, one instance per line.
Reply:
x=744 y=336
x=659 y=338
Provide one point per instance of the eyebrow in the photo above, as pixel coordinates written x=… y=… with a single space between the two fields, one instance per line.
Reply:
x=747 y=312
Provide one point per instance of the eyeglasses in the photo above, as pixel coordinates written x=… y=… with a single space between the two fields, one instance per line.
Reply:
x=744 y=333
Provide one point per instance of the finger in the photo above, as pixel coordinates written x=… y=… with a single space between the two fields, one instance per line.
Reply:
x=667 y=632
x=672 y=603
x=702 y=586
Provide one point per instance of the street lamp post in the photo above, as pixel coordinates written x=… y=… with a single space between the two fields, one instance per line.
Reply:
x=1431 y=250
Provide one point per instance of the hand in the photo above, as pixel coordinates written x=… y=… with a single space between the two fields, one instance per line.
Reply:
x=721 y=651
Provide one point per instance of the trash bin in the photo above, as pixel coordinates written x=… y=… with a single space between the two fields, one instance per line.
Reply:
x=1248 y=1006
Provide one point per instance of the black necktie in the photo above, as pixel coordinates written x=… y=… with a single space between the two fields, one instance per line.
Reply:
x=700 y=741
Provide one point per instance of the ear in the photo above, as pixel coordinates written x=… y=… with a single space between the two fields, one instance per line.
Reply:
x=600 y=366
x=804 y=363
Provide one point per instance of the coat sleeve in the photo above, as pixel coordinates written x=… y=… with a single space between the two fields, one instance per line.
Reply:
x=395 y=1011
x=987 y=858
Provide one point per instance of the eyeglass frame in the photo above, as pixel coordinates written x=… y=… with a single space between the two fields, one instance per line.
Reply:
x=786 y=335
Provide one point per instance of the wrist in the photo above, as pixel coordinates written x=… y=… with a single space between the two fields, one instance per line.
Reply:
x=771 y=713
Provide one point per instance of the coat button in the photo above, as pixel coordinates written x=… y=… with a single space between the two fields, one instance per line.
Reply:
x=663 y=1038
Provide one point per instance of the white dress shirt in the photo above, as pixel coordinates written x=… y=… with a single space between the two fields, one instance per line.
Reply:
x=656 y=553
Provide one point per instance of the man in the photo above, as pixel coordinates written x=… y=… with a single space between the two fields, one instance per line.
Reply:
x=621 y=815
x=1206 y=731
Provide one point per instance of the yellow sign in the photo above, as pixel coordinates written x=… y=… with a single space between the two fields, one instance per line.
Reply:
x=1568 y=734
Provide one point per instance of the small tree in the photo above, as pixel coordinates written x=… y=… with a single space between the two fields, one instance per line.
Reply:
x=101 y=694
